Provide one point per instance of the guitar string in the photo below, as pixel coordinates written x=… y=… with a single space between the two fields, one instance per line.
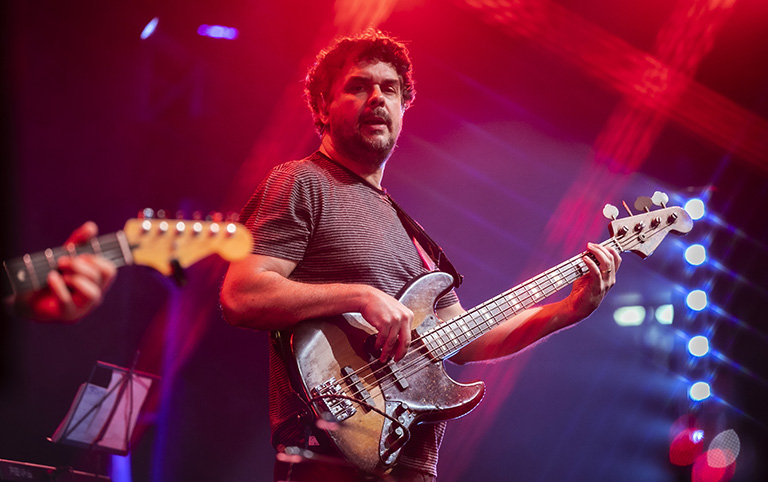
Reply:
x=572 y=266
x=413 y=366
x=108 y=245
x=575 y=265
x=41 y=264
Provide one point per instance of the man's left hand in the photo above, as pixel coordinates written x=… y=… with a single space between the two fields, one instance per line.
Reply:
x=588 y=291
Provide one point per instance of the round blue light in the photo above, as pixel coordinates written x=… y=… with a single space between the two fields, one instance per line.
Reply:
x=696 y=300
x=699 y=391
x=695 y=208
x=698 y=345
x=696 y=254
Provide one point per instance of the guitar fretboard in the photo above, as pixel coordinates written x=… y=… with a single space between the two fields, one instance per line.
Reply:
x=30 y=272
x=447 y=338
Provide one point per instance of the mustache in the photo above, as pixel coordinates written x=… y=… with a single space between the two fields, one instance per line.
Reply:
x=379 y=113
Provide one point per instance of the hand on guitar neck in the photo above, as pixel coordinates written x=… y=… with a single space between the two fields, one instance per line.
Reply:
x=64 y=284
x=72 y=290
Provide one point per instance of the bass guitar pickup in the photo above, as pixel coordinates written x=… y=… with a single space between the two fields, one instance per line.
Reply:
x=357 y=387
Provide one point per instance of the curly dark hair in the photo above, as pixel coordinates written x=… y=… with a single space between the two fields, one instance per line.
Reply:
x=368 y=45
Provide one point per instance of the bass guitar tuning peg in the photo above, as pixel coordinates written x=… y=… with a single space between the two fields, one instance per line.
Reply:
x=660 y=199
x=611 y=212
x=643 y=203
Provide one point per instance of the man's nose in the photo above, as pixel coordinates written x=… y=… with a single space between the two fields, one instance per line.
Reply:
x=376 y=98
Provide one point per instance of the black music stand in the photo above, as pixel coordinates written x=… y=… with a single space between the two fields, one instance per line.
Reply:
x=103 y=416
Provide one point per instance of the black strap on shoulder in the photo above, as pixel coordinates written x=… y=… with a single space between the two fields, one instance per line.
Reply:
x=430 y=246
x=413 y=229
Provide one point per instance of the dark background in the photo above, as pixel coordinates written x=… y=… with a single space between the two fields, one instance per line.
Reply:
x=530 y=115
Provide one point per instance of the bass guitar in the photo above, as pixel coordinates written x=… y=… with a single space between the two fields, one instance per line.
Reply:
x=372 y=405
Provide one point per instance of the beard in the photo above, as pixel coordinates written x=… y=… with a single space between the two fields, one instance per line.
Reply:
x=371 y=149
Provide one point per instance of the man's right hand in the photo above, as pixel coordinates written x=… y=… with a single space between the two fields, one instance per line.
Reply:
x=258 y=294
x=393 y=321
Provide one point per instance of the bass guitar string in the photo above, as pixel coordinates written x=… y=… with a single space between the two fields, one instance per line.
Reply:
x=413 y=366
x=575 y=265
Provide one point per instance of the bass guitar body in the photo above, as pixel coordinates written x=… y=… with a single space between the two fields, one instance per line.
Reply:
x=372 y=405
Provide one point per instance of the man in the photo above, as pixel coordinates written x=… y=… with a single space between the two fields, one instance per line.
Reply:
x=328 y=241
x=73 y=290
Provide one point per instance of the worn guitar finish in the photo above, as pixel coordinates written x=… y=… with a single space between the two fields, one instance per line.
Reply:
x=416 y=389
x=374 y=404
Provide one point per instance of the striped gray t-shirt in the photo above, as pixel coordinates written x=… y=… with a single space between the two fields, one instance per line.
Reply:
x=339 y=229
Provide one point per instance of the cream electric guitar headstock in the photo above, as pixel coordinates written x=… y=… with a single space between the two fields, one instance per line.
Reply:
x=167 y=245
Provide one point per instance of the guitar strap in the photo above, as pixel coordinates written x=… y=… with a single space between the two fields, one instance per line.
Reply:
x=415 y=231
x=432 y=249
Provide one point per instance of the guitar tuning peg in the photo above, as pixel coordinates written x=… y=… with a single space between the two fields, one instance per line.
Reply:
x=197 y=215
x=643 y=203
x=660 y=199
x=179 y=214
x=161 y=213
x=611 y=212
x=217 y=217
x=233 y=217
x=146 y=213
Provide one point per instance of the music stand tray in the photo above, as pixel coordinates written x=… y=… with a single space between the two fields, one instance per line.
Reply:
x=103 y=417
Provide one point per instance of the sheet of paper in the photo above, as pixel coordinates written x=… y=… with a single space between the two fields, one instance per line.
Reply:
x=95 y=407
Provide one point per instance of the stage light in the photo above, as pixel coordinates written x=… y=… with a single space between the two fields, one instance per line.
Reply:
x=686 y=446
x=695 y=208
x=696 y=300
x=723 y=449
x=699 y=391
x=629 y=315
x=217 y=31
x=695 y=254
x=698 y=346
x=665 y=314
x=121 y=468
x=149 y=29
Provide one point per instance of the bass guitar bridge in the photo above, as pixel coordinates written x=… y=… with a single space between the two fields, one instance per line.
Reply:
x=331 y=397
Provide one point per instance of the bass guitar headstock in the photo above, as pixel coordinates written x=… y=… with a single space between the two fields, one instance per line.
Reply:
x=642 y=233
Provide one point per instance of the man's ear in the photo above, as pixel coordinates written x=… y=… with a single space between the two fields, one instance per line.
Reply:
x=322 y=110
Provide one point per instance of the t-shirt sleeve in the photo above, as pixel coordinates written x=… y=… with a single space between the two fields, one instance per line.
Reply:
x=279 y=214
